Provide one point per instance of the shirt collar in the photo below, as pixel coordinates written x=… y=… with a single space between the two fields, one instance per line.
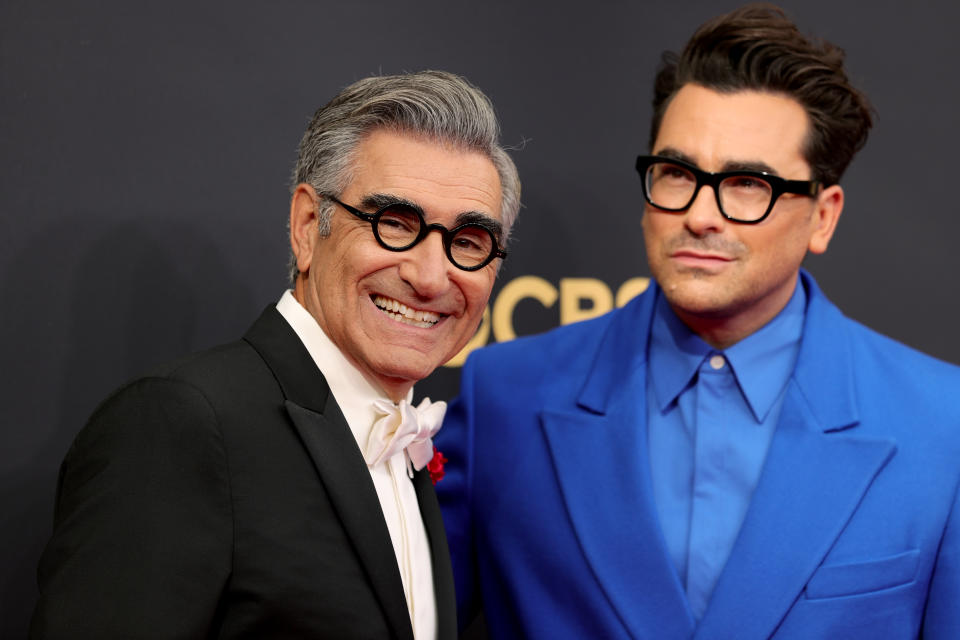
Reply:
x=675 y=354
x=353 y=392
x=762 y=362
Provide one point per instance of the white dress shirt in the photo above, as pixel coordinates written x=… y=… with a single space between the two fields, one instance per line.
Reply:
x=401 y=511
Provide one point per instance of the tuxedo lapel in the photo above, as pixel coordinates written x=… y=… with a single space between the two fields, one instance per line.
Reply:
x=601 y=460
x=328 y=440
x=338 y=462
x=439 y=555
x=817 y=470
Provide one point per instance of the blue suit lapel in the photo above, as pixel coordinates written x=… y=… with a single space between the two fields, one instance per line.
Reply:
x=602 y=465
x=817 y=470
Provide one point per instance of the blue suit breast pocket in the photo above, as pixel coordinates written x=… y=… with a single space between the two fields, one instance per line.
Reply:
x=863 y=576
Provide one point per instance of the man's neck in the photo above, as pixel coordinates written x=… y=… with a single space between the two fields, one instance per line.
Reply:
x=721 y=331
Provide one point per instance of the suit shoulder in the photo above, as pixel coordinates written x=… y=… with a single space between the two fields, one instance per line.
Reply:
x=901 y=358
x=184 y=394
x=237 y=356
x=146 y=409
x=904 y=392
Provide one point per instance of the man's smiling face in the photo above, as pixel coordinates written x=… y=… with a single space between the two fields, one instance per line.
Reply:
x=397 y=315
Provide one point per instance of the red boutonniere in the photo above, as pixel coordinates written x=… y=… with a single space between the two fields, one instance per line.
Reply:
x=435 y=466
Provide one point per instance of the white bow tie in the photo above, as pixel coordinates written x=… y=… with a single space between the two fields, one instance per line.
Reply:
x=402 y=426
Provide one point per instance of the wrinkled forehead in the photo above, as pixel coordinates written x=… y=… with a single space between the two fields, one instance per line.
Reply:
x=719 y=130
x=439 y=179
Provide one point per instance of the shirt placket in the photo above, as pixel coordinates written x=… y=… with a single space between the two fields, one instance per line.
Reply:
x=709 y=534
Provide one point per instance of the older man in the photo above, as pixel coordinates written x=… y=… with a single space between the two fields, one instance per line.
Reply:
x=275 y=487
x=727 y=456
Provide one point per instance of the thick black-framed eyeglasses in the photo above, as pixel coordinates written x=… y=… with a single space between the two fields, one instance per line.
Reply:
x=399 y=226
x=742 y=196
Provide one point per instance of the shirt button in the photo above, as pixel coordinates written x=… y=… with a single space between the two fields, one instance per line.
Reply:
x=717 y=361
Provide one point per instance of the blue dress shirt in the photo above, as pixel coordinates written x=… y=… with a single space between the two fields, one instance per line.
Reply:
x=711 y=418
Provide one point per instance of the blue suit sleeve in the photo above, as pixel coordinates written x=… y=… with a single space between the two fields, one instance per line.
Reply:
x=455 y=441
x=942 y=617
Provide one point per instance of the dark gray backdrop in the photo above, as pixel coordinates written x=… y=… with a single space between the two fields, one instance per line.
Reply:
x=145 y=152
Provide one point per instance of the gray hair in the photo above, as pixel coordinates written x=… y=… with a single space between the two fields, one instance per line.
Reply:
x=436 y=105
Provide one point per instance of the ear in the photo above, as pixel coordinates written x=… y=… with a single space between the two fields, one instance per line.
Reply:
x=303 y=224
x=825 y=217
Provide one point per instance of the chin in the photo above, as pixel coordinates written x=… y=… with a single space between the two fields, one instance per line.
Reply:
x=695 y=298
x=408 y=371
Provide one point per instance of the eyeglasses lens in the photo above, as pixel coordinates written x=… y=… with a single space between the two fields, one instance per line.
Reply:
x=398 y=227
x=745 y=197
x=670 y=186
x=471 y=245
x=673 y=187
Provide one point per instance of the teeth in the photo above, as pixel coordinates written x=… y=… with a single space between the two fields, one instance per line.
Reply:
x=407 y=315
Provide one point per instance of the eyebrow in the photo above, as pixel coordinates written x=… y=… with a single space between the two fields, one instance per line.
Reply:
x=483 y=220
x=377 y=201
x=729 y=165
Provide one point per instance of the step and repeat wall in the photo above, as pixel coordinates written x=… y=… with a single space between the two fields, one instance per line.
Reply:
x=146 y=149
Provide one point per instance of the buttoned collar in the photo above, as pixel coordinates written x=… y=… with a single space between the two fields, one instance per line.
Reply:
x=762 y=362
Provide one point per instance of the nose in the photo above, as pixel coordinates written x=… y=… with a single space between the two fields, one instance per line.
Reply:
x=426 y=268
x=703 y=215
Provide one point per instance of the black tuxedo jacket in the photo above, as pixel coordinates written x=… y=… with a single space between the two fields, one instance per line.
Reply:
x=224 y=496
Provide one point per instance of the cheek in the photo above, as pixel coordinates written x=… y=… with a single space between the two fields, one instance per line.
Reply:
x=353 y=252
x=778 y=252
x=476 y=291
x=656 y=226
x=645 y=224
x=357 y=265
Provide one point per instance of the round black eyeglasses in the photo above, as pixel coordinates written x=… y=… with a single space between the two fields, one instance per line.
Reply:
x=742 y=196
x=399 y=226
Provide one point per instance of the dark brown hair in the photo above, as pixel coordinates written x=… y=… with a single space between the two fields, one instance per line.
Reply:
x=758 y=48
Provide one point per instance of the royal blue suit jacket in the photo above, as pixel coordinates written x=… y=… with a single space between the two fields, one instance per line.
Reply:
x=853 y=531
